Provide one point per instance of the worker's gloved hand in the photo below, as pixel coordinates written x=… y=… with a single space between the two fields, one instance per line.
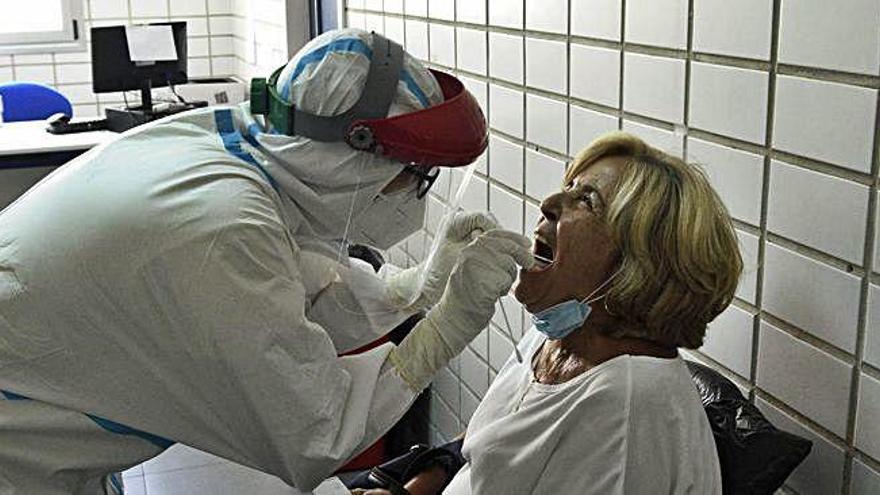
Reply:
x=463 y=228
x=486 y=269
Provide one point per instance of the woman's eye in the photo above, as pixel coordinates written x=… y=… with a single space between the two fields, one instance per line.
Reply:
x=591 y=199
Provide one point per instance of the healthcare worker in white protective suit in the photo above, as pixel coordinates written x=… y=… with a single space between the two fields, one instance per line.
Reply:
x=183 y=283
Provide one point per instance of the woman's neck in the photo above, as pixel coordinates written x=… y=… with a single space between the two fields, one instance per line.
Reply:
x=561 y=360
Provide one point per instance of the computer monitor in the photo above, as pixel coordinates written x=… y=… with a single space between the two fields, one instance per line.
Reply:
x=113 y=70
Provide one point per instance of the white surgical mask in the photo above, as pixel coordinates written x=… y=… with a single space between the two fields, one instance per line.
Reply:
x=388 y=219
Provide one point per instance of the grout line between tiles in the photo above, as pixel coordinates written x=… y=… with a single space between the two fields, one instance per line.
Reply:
x=765 y=194
x=862 y=328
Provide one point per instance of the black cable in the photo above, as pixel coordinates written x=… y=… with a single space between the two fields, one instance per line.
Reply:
x=174 y=91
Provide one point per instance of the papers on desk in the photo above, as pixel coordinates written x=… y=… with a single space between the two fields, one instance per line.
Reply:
x=150 y=44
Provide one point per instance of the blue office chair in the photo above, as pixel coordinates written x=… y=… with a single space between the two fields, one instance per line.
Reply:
x=32 y=101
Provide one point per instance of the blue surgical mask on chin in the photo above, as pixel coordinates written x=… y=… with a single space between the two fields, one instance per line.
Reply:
x=559 y=321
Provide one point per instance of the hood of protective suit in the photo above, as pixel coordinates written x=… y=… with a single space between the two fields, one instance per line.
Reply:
x=331 y=192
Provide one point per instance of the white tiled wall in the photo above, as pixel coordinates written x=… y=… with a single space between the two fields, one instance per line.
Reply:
x=778 y=100
x=224 y=38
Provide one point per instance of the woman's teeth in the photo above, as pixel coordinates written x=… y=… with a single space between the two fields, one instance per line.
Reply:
x=541 y=261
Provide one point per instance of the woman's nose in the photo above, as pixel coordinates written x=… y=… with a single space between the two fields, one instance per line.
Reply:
x=552 y=206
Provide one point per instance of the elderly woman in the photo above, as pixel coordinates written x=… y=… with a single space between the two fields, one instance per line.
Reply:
x=644 y=256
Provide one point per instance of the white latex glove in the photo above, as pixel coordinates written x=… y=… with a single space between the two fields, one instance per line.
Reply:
x=486 y=269
x=463 y=228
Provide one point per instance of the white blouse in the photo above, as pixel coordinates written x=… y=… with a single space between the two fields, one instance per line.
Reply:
x=633 y=424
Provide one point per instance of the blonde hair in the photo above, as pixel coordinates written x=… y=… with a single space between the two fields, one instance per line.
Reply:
x=679 y=257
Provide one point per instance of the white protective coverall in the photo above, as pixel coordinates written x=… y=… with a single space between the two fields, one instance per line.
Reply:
x=180 y=281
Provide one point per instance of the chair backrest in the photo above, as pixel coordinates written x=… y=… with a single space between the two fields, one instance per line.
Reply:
x=32 y=101
x=755 y=456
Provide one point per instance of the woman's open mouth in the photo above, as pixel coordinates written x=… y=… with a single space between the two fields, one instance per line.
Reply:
x=543 y=254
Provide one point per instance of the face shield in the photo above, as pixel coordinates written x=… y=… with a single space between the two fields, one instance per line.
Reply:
x=362 y=102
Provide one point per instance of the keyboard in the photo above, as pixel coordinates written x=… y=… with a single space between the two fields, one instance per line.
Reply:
x=63 y=127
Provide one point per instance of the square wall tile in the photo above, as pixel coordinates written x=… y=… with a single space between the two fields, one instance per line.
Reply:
x=748 y=281
x=149 y=8
x=668 y=141
x=815 y=220
x=867 y=437
x=864 y=480
x=469 y=404
x=832 y=35
x=223 y=66
x=470 y=11
x=108 y=9
x=375 y=5
x=872 y=330
x=737 y=176
x=197 y=47
x=188 y=7
x=474 y=372
x=479 y=89
x=740 y=29
x=804 y=377
x=596 y=19
x=5 y=74
x=355 y=20
x=394 y=6
x=417 y=39
x=222 y=45
x=729 y=101
x=480 y=344
x=443 y=9
x=533 y=217
x=729 y=340
x=86 y=111
x=500 y=348
x=824 y=120
x=395 y=29
x=476 y=197
x=73 y=73
x=417 y=8
x=822 y=471
x=445 y=418
x=595 y=74
x=545 y=122
x=442 y=44
x=654 y=87
x=506 y=57
x=374 y=22
x=506 y=13
x=514 y=313
x=35 y=73
x=506 y=162
x=547 y=15
x=657 y=22
x=447 y=386
x=355 y=4
x=544 y=175
x=471 y=49
x=507 y=208
x=506 y=110
x=78 y=93
x=813 y=296
x=546 y=65
x=585 y=125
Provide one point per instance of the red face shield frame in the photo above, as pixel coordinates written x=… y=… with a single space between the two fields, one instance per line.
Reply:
x=451 y=134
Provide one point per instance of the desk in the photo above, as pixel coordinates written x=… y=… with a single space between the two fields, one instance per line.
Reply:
x=22 y=139
x=28 y=153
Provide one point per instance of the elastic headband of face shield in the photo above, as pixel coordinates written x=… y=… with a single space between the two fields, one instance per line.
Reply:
x=451 y=134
